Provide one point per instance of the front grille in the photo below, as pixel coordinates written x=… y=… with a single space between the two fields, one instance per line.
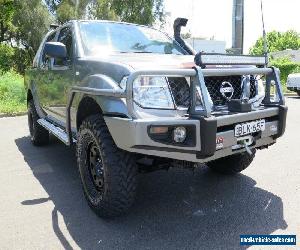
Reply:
x=253 y=87
x=214 y=83
x=181 y=92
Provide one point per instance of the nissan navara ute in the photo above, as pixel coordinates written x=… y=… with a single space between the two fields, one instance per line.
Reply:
x=134 y=100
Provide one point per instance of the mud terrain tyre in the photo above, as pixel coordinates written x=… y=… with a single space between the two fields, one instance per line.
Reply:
x=108 y=174
x=39 y=135
x=232 y=164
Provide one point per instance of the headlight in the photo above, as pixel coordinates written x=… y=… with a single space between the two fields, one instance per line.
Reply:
x=152 y=92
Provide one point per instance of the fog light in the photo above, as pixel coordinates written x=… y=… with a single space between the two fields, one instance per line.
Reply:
x=179 y=134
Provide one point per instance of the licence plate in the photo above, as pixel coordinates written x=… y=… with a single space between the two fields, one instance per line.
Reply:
x=249 y=127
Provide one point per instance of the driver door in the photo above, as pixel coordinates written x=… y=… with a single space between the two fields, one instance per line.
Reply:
x=61 y=78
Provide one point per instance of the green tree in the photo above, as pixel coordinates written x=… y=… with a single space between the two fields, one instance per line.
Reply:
x=135 y=11
x=6 y=58
x=66 y=10
x=277 y=41
x=52 y=5
x=102 y=9
x=23 y=24
x=7 y=10
x=32 y=21
x=139 y=11
x=71 y=9
x=286 y=67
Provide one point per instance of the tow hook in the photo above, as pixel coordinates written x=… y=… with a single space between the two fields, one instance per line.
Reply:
x=246 y=142
x=248 y=150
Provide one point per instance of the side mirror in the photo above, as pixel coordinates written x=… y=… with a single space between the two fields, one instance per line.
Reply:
x=55 y=50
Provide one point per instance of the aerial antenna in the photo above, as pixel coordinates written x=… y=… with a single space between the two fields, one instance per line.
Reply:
x=264 y=33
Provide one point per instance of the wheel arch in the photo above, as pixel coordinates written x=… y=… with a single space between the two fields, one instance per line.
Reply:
x=90 y=104
x=87 y=106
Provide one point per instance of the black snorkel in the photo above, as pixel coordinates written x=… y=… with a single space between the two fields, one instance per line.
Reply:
x=178 y=23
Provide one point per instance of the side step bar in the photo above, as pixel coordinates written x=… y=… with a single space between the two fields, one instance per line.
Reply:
x=56 y=131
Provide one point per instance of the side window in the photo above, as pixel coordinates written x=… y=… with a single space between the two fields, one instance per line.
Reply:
x=44 y=60
x=65 y=37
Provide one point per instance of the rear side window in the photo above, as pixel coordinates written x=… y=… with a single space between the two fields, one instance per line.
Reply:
x=51 y=37
x=44 y=59
x=65 y=37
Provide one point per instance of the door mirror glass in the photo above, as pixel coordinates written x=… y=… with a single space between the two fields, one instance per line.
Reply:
x=55 y=50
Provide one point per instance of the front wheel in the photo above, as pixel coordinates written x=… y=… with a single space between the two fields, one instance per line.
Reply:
x=298 y=92
x=108 y=174
x=232 y=164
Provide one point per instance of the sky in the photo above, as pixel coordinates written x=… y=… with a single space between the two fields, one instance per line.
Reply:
x=213 y=18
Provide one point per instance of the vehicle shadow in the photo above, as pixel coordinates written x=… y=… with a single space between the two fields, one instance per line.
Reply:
x=178 y=209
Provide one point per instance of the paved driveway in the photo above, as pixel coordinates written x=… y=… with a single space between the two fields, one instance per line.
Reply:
x=42 y=205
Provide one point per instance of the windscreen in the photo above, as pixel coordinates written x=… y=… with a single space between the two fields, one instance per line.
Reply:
x=108 y=37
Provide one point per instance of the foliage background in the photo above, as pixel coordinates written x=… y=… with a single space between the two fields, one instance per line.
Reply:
x=279 y=41
x=286 y=67
x=23 y=24
x=12 y=93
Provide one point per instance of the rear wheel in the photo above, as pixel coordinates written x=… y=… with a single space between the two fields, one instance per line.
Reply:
x=108 y=174
x=39 y=135
x=232 y=164
x=298 y=92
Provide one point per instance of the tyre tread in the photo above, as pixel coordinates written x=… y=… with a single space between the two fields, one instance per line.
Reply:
x=122 y=183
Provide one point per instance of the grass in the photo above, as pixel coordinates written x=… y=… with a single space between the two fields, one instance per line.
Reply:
x=12 y=93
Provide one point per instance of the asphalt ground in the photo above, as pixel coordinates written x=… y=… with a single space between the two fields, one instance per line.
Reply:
x=42 y=205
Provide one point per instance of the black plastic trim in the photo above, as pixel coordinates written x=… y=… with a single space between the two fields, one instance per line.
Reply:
x=166 y=138
x=236 y=105
x=281 y=120
x=208 y=135
x=115 y=114
x=165 y=149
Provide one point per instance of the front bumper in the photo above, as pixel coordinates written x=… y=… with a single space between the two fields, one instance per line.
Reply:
x=133 y=134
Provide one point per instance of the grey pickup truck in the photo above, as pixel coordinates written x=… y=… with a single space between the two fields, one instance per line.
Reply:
x=134 y=100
